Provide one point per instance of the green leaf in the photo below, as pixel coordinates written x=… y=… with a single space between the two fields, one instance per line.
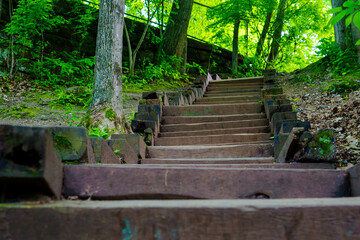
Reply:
x=338 y=17
x=349 y=3
x=358 y=42
x=356 y=19
x=335 y=10
x=349 y=19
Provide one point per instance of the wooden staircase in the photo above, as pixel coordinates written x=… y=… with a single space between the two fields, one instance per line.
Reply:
x=210 y=161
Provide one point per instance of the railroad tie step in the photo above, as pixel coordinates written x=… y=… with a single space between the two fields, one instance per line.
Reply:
x=212 y=151
x=259 y=129
x=187 y=219
x=213 y=125
x=215 y=118
x=204 y=110
x=212 y=139
x=142 y=182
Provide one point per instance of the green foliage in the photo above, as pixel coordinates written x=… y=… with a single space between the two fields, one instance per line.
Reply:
x=343 y=86
x=164 y=75
x=97 y=132
x=80 y=96
x=110 y=114
x=338 y=61
x=252 y=67
x=351 y=11
x=322 y=145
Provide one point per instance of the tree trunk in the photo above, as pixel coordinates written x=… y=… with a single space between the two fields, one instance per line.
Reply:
x=106 y=106
x=0 y=7
x=235 y=51
x=175 y=36
x=356 y=37
x=279 y=24
x=247 y=39
x=265 y=30
x=342 y=34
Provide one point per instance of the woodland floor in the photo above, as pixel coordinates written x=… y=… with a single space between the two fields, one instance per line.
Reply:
x=23 y=105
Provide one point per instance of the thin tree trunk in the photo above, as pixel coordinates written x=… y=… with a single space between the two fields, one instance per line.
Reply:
x=279 y=24
x=12 y=64
x=129 y=46
x=342 y=33
x=175 y=36
x=0 y=7
x=247 y=39
x=162 y=19
x=106 y=106
x=235 y=51
x=265 y=30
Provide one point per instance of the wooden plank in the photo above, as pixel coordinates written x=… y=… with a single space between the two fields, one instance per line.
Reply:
x=300 y=219
x=141 y=182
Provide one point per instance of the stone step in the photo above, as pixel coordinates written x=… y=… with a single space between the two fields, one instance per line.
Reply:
x=260 y=129
x=221 y=109
x=226 y=151
x=212 y=139
x=177 y=163
x=212 y=161
x=213 y=125
x=280 y=219
x=142 y=182
x=216 y=118
x=227 y=98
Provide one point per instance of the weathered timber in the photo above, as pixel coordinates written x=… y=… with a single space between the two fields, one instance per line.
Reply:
x=135 y=141
x=212 y=139
x=226 y=151
x=281 y=219
x=29 y=164
x=213 y=125
x=203 y=110
x=73 y=144
x=217 y=118
x=103 y=152
x=117 y=182
x=260 y=129
x=123 y=150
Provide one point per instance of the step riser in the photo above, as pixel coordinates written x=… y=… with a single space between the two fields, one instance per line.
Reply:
x=221 y=94
x=198 y=110
x=228 y=139
x=175 y=163
x=252 y=150
x=224 y=102
x=216 y=131
x=232 y=88
x=205 y=162
x=239 y=92
x=187 y=219
x=203 y=183
x=217 y=125
x=179 y=120
x=219 y=99
x=239 y=81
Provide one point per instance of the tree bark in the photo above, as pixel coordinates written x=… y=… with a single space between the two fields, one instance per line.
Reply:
x=0 y=7
x=106 y=106
x=265 y=30
x=235 y=51
x=356 y=36
x=342 y=34
x=279 y=24
x=175 y=36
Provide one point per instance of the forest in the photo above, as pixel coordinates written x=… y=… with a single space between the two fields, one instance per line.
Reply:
x=47 y=47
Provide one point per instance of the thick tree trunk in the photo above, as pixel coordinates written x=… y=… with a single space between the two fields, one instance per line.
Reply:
x=356 y=37
x=265 y=30
x=279 y=24
x=342 y=34
x=106 y=106
x=175 y=36
x=235 y=51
